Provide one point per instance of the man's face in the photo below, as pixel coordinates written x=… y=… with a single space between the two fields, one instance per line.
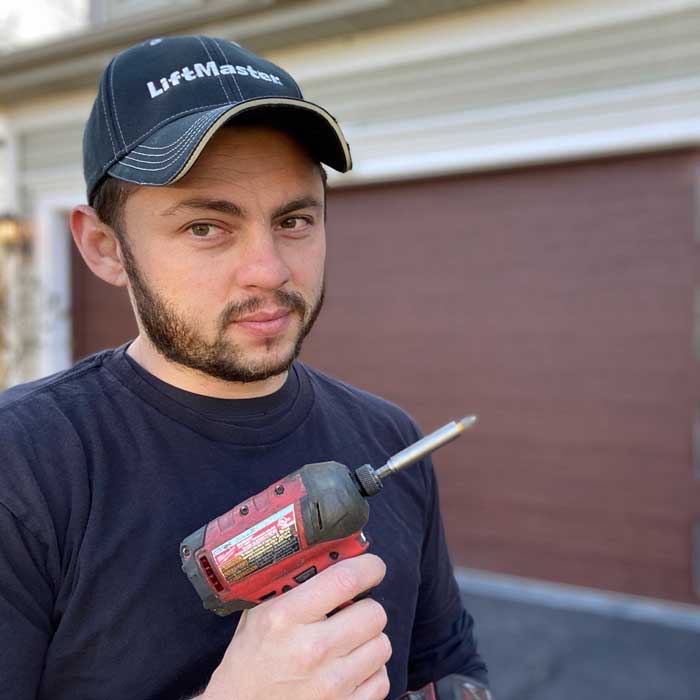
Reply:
x=226 y=265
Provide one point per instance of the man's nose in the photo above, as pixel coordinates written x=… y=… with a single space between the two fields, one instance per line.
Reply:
x=261 y=263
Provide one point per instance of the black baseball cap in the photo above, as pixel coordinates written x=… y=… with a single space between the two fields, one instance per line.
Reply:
x=160 y=102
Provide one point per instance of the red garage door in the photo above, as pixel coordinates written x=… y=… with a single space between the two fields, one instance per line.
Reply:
x=101 y=313
x=555 y=302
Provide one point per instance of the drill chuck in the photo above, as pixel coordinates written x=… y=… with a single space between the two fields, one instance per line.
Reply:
x=370 y=483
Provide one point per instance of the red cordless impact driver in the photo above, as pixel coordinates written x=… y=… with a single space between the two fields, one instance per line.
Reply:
x=292 y=530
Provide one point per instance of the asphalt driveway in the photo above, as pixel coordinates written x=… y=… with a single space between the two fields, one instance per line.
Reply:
x=538 y=652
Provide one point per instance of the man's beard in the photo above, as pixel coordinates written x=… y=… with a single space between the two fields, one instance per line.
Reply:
x=179 y=342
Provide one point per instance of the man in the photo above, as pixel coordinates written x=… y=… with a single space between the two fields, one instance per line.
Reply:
x=207 y=201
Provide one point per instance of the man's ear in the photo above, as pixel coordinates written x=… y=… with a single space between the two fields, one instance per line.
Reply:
x=98 y=245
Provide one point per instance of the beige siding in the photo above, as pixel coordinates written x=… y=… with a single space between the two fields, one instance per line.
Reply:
x=111 y=10
x=50 y=147
x=650 y=52
x=4 y=195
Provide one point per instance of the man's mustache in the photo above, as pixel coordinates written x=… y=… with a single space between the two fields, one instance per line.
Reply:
x=292 y=301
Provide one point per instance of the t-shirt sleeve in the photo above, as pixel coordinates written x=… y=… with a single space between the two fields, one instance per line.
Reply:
x=29 y=565
x=26 y=600
x=443 y=640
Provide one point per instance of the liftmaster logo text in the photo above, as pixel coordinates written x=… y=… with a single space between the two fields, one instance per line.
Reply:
x=208 y=70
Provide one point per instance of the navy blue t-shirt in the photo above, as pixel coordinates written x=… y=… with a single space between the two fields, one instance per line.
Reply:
x=105 y=469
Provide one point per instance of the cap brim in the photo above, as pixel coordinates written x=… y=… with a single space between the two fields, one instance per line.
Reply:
x=167 y=154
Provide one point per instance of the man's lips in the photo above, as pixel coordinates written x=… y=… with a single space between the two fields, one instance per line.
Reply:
x=265 y=323
x=264 y=315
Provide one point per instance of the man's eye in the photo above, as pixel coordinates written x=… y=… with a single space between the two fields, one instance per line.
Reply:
x=201 y=230
x=294 y=222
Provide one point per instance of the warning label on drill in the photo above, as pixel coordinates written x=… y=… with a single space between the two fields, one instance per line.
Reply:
x=263 y=544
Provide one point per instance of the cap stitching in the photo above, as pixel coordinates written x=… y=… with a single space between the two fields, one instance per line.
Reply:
x=170 y=118
x=109 y=131
x=164 y=150
x=141 y=182
x=233 y=75
x=114 y=105
x=174 y=158
x=165 y=147
x=202 y=109
x=166 y=159
x=211 y=58
x=214 y=117
x=174 y=143
x=169 y=161
x=175 y=155
x=174 y=165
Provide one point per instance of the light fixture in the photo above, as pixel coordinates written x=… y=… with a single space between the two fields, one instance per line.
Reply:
x=12 y=234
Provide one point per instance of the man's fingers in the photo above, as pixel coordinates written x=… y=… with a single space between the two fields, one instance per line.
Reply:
x=366 y=661
x=352 y=626
x=315 y=598
x=240 y=627
x=376 y=687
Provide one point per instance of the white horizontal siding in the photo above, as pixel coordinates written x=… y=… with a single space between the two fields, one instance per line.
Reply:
x=651 y=51
x=450 y=100
x=504 y=84
x=4 y=180
x=50 y=146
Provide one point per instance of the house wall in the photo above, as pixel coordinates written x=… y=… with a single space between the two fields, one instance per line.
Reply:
x=498 y=85
x=511 y=83
x=552 y=301
x=477 y=136
x=45 y=135
x=556 y=303
x=4 y=194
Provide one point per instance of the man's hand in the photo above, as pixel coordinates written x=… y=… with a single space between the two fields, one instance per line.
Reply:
x=288 y=649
